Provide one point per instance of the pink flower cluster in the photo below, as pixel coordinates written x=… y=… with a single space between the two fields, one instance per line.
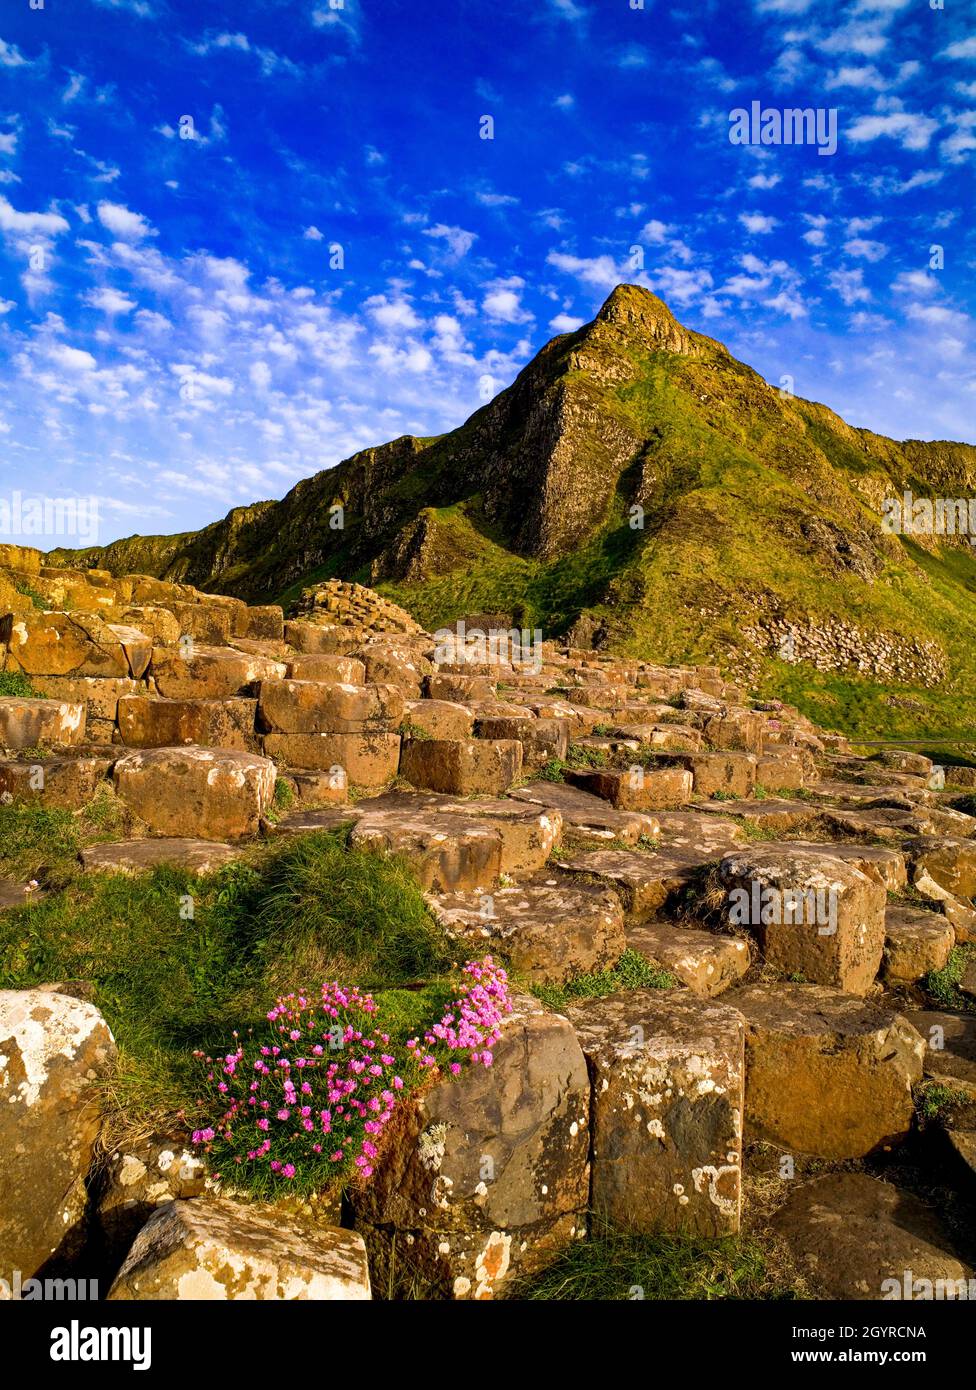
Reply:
x=325 y=1085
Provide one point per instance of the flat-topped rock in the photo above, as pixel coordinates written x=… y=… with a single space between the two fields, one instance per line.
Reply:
x=916 y=943
x=635 y=788
x=28 y=723
x=772 y=813
x=311 y=820
x=586 y=816
x=68 y=783
x=885 y=864
x=857 y=1238
x=438 y=719
x=950 y=862
x=141 y=856
x=814 y=915
x=324 y=666
x=646 y=880
x=222 y=1251
x=706 y=962
x=198 y=672
x=462 y=767
x=204 y=793
x=328 y=707
x=547 y=929
x=367 y=760
x=950 y=1043
x=704 y=837
x=445 y=851
x=165 y=723
x=827 y=1072
x=667 y=1074
x=888 y=823
x=77 y=644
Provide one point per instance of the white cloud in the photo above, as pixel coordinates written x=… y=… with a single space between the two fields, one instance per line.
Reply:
x=391 y=314
x=110 y=301
x=757 y=223
x=599 y=271
x=503 y=303
x=11 y=56
x=850 y=285
x=459 y=241
x=30 y=223
x=313 y=234
x=913 y=132
x=865 y=249
x=565 y=323
x=121 y=222
x=71 y=359
x=764 y=180
x=962 y=48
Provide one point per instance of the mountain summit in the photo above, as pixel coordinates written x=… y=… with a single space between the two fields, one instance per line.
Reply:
x=637 y=486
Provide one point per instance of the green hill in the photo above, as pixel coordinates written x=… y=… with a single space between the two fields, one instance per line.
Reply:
x=638 y=487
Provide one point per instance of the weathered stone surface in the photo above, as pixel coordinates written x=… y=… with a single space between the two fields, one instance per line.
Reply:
x=915 y=944
x=950 y=1043
x=827 y=1073
x=446 y=852
x=667 y=1076
x=396 y=663
x=734 y=728
x=707 y=963
x=857 y=1238
x=698 y=836
x=318 y=788
x=77 y=644
x=53 y=1052
x=205 y=793
x=884 y=863
x=202 y=673
x=315 y=638
x=323 y=666
x=160 y=625
x=463 y=690
x=636 y=788
x=462 y=767
x=781 y=771
x=960 y=915
x=368 y=760
x=588 y=817
x=139 y=856
x=730 y=772
x=265 y=622
x=135 y=1181
x=99 y=694
x=769 y=814
x=491 y=1172
x=548 y=930
x=528 y=835
x=218 y=1251
x=951 y=863
x=901 y=760
x=440 y=719
x=329 y=707
x=645 y=882
x=896 y=825
x=26 y=723
x=813 y=914
x=161 y=723
x=66 y=783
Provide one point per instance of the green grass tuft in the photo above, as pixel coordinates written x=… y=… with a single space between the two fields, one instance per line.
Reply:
x=632 y=971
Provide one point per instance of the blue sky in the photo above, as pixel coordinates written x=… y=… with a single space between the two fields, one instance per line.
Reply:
x=176 y=340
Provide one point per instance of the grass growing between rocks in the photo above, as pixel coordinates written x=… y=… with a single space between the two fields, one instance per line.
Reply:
x=619 y=1266
x=43 y=843
x=15 y=685
x=177 y=962
x=943 y=985
x=632 y=971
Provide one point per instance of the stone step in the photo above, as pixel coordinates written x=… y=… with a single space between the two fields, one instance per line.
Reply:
x=636 y=789
x=141 y=856
x=68 y=783
x=588 y=817
x=915 y=944
x=707 y=963
x=29 y=723
x=547 y=929
x=462 y=767
x=202 y=793
x=328 y=707
x=164 y=723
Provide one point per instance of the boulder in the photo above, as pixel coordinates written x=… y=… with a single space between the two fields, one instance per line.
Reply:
x=950 y=1043
x=136 y=1180
x=951 y=863
x=438 y=719
x=368 y=760
x=54 y=1052
x=462 y=767
x=547 y=930
x=67 y=783
x=27 y=723
x=916 y=943
x=489 y=1176
x=707 y=963
x=263 y=622
x=219 y=1251
x=813 y=914
x=446 y=852
x=328 y=707
x=323 y=666
x=197 y=672
x=636 y=788
x=462 y=690
x=858 y=1238
x=77 y=644
x=827 y=1073
x=161 y=723
x=205 y=793
x=667 y=1078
